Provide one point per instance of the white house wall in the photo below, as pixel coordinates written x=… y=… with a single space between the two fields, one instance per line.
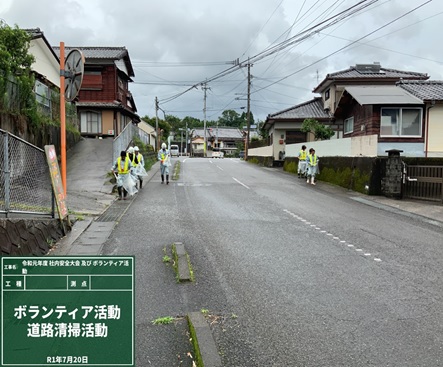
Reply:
x=45 y=62
x=409 y=149
x=435 y=133
x=348 y=147
x=261 y=152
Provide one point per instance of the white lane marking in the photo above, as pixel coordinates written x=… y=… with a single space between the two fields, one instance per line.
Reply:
x=241 y=183
x=327 y=234
x=221 y=169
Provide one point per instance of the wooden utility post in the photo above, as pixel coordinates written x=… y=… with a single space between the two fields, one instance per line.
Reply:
x=248 y=116
x=205 y=88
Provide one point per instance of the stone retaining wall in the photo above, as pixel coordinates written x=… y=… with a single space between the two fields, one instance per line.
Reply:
x=28 y=237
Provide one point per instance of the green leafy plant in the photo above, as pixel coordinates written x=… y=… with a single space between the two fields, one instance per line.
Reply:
x=166 y=259
x=320 y=131
x=163 y=320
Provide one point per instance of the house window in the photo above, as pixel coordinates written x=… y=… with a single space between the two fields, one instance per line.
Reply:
x=405 y=122
x=91 y=122
x=327 y=94
x=349 y=125
x=42 y=94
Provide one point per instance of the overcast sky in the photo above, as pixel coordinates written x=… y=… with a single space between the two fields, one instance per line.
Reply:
x=175 y=44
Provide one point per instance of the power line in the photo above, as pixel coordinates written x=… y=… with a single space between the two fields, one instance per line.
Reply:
x=345 y=47
x=304 y=35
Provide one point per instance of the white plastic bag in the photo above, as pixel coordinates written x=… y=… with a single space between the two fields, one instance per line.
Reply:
x=140 y=171
x=129 y=184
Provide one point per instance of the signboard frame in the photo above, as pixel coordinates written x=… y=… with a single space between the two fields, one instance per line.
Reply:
x=61 y=291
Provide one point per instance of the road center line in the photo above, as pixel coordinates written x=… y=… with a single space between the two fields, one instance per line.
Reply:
x=241 y=183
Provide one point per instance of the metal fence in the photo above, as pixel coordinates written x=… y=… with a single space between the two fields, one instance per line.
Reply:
x=125 y=139
x=25 y=182
x=424 y=182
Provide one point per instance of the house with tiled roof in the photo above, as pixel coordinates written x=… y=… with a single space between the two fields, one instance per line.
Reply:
x=104 y=104
x=407 y=116
x=284 y=127
x=223 y=138
x=372 y=84
x=431 y=93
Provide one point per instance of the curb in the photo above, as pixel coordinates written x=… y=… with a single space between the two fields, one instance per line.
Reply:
x=182 y=262
x=206 y=354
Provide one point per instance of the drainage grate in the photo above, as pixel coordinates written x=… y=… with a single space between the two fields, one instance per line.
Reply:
x=114 y=212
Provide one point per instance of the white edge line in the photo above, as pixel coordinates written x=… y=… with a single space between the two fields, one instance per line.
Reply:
x=241 y=183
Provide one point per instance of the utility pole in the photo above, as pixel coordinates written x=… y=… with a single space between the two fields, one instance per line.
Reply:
x=156 y=124
x=205 y=88
x=248 y=118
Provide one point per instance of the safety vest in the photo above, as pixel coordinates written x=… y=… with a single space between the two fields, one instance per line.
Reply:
x=135 y=160
x=139 y=158
x=302 y=155
x=312 y=159
x=125 y=167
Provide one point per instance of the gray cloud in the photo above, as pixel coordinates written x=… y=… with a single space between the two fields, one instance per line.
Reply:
x=222 y=30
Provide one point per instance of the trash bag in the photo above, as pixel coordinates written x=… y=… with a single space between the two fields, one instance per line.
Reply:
x=129 y=184
x=140 y=171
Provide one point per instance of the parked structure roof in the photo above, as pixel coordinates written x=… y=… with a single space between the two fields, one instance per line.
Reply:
x=426 y=90
x=368 y=72
x=381 y=94
x=310 y=109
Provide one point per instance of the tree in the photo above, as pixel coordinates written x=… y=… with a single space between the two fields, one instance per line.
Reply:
x=320 y=131
x=15 y=64
x=230 y=118
x=162 y=125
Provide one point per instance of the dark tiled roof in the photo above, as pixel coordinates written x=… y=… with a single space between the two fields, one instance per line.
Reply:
x=367 y=72
x=102 y=53
x=352 y=72
x=37 y=33
x=310 y=109
x=426 y=90
x=221 y=132
x=109 y=53
x=108 y=105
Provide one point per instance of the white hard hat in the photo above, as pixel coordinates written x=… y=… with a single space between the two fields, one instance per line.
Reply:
x=163 y=145
x=136 y=148
x=130 y=150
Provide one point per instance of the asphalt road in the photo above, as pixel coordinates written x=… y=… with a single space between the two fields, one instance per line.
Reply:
x=291 y=274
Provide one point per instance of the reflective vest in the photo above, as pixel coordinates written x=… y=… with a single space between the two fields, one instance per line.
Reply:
x=135 y=160
x=312 y=159
x=139 y=158
x=302 y=155
x=125 y=167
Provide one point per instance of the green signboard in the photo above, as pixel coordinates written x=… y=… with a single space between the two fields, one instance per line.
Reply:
x=76 y=311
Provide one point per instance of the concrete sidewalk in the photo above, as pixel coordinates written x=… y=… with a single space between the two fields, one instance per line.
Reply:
x=89 y=196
